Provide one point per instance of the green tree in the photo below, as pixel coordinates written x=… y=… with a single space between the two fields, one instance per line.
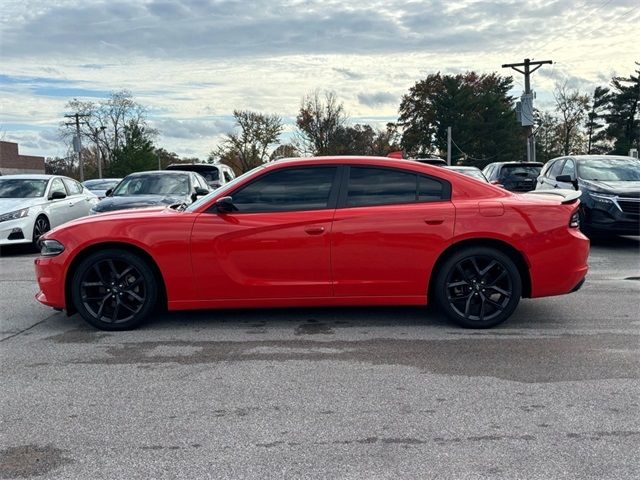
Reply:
x=249 y=146
x=477 y=107
x=365 y=140
x=135 y=154
x=595 y=126
x=623 y=120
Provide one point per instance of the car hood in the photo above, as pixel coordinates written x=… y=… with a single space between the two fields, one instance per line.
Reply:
x=12 y=204
x=622 y=188
x=138 y=201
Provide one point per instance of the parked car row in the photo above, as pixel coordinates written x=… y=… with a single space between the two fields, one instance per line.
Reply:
x=31 y=205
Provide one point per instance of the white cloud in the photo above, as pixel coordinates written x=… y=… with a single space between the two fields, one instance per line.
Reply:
x=193 y=62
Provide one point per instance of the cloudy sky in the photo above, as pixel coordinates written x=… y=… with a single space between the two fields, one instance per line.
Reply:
x=192 y=62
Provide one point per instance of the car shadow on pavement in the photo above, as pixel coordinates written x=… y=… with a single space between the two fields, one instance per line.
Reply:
x=618 y=242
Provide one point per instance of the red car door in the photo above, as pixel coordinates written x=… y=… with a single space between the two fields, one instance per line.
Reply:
x=276 y=245
x=388 y=231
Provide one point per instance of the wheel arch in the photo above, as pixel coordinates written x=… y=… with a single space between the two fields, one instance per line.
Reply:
x=162 y=292
x=517 y=256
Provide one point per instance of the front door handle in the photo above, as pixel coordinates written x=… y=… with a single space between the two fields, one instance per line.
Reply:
x=433 y=221
x=314 y=230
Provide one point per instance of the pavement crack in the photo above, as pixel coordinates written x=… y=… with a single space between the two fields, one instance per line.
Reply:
x=26 y=329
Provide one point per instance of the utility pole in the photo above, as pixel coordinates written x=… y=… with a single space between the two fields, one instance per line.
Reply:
x=77 y=145
x=527 y=101
x=449 y=146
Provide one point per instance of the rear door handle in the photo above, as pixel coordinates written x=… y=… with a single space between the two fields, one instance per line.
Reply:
x=433 y=221
x=314 y=230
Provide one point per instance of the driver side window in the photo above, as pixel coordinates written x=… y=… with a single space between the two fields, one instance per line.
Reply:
x=291 y=189
x=57 y=186
x=569 y=169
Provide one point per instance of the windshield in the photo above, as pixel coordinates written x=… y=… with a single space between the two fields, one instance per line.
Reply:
x=22 y=188
x=227 y=187
x=608 y=169
x=153 y=184
x=100 y=184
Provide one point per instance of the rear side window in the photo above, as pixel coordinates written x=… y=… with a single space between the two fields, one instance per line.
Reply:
x=227 y=176
x=73 y=187
x=291 y=189
x=382 y=186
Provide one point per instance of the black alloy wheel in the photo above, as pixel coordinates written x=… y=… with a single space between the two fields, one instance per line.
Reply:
x=114 y=290
x=40 y=227
x=478 y=287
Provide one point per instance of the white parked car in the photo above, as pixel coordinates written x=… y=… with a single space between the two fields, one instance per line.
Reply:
x=30 y=205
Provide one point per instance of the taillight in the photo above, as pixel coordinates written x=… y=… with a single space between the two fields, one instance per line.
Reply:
x=574 y=222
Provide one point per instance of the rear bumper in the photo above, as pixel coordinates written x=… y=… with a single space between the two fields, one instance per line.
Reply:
x=559 y=264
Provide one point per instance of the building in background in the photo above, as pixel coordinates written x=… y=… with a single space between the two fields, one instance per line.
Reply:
x=11 y=162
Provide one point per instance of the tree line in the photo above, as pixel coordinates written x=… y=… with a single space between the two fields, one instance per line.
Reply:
x=478 y=108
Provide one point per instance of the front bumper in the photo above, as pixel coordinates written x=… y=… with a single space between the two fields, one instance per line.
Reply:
x=620 y=216
x=50 y=275
x=17 y=231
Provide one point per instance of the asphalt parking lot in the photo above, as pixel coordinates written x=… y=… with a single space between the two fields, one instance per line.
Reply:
x=327 y=393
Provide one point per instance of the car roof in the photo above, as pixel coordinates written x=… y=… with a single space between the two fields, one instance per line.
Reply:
x=522 y=164
x=583 y=158
x=462 y=167
x=32 y=176
x=161 y=172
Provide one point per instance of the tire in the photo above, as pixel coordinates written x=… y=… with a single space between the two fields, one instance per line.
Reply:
x=114 y=290
x=40 y=227
x=478 y=287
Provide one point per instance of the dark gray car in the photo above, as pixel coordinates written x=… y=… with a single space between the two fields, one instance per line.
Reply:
x=152 y=189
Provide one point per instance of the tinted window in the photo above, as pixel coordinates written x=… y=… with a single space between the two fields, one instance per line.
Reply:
x=57 y=186
x=227 y=176
x=382 y=186
x=306 y=188
x=73 y=187
x=429 y=189
x=520 y=171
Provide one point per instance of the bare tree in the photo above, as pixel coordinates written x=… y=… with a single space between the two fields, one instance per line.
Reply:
x=572 y=107
x=249 y=146
x=320 y=119
x=103 y=128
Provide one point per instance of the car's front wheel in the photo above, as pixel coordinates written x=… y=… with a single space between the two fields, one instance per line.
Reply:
x=114 y=290
x=40 y=227
x=478 y=287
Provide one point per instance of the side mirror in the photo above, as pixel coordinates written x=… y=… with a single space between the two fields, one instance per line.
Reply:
x=108 y=193
x=225 y=205
x=564 y=178
x=57 y=195
x=201 y=191
x=568 y=179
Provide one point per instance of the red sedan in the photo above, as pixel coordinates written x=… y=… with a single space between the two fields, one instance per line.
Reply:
x=321 y=232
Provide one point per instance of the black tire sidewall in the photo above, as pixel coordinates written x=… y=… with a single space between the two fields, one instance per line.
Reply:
x=151 y=287
x=440 y=290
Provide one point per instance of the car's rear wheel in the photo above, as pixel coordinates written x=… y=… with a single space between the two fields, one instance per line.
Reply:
x=40 y=227
x=478 y=287
x=114 y=290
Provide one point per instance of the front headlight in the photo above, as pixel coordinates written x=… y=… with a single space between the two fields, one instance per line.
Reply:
x=50 y=248
x=603 y=199
x=14 y=215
